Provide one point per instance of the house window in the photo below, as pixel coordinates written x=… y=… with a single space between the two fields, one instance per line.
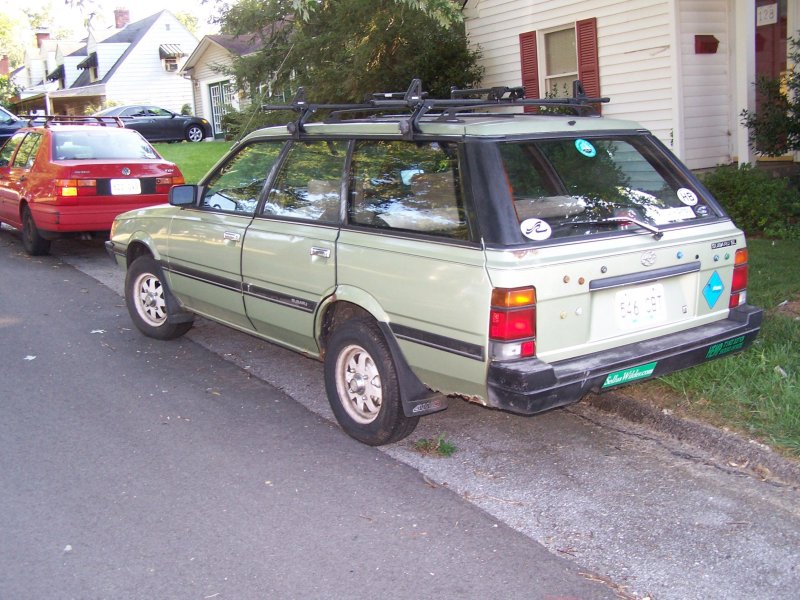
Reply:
x=560 y=61
x=171 y=64
x=554 y=59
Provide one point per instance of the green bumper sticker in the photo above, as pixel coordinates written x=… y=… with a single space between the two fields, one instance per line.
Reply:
x=726 y=347
x=628 y=375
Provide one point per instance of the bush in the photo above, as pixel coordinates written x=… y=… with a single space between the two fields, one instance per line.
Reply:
x=759 y=203
x=238 y=123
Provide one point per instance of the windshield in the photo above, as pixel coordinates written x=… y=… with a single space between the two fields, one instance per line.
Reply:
x=97 y=143
x=578 y=187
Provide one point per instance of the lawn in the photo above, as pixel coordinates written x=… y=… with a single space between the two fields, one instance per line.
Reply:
x=756 y=392
x=194 y=160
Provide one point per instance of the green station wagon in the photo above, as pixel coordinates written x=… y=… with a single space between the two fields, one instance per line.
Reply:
x=426 y=249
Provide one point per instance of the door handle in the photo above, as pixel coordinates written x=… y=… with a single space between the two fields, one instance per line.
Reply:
x=323 y=252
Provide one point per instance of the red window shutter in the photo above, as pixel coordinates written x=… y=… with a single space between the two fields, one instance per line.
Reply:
x=588 y=64
x=529 y=59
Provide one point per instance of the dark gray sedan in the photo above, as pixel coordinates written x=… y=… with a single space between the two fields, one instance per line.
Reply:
x=159 y=124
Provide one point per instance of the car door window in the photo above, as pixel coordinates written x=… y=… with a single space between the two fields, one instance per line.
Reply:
x=238 y=185
x=26 y=155
x=8 y=150
x=407 y=186
x=309 y=184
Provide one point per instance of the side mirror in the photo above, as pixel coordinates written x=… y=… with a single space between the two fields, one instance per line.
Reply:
x=183 y=195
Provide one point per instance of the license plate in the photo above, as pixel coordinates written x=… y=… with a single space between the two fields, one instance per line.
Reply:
x=641 y=306
x=120 y=187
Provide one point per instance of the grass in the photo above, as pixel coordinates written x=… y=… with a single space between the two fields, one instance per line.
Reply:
x=194 y=160
x=435 y=447
x=756 y=392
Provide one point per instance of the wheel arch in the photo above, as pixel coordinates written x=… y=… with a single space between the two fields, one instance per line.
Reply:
x=348 y=304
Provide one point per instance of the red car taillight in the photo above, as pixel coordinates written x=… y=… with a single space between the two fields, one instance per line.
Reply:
x=72 y=188
x=512 y=323
x=739 y=283
x=163 y=184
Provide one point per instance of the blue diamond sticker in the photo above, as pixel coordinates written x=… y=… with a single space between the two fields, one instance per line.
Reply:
x=713 y=289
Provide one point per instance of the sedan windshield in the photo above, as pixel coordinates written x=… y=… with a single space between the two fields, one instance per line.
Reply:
x=101 y=144
x=576 y=187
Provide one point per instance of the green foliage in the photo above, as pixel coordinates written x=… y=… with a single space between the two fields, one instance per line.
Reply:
x=775 y=129
x=342 y=50
x=7 y=91
x=757 y=202
x=435 y=447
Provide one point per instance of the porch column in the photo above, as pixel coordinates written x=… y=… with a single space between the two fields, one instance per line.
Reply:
x=745 y=68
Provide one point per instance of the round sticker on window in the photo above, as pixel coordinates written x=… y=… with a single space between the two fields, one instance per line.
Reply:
x=535 y=229
x=585 y=147
x=687 y=196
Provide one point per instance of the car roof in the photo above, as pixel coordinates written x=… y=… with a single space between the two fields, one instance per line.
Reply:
x=478 y=126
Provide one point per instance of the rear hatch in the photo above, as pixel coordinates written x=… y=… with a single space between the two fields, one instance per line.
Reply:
x=623 y=244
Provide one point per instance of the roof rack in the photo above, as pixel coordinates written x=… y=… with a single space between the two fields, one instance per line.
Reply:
x=50 y=120
x=417 y=105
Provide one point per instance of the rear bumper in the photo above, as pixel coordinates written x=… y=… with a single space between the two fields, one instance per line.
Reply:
x=64 y=218
x=532 y=386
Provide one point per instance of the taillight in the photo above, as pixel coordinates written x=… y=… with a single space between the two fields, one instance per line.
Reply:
x=512 y=323
x=739 y=283
x=72 y=188
x=163 y=184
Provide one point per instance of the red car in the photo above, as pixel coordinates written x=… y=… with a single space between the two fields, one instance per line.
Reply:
x=73 y=175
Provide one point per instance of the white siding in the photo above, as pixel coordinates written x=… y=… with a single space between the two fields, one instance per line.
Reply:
x=706 y=84
x=634 y=49
x=141 y=77
x=207 y=73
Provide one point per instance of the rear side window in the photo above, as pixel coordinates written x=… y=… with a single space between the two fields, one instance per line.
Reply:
x=98 y=143
x=237 y=186
x=577 y=187
x=407 y=186
x=309 y=183
x=8 y=150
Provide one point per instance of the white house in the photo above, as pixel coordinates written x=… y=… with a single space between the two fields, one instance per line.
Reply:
x=134 y=63
x=682 y=68
x=208 y=68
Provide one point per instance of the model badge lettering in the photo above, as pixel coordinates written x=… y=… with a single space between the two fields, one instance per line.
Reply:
x=725 y=244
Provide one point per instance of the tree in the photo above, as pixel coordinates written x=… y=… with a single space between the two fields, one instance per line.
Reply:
x=341 y=50
x=7 y=91
x=775 y=128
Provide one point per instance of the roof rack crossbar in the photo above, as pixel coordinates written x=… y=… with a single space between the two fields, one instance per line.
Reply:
x=418 y=104
x=48 y=120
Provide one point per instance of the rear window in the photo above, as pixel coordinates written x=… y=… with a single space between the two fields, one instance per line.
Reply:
x=578 y=187
x=98 y=143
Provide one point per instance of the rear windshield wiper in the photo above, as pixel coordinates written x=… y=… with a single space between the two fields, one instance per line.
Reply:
x=657 y=233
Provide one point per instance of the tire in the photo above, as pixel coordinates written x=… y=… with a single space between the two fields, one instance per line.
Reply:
x=32 y=241
x=362 y=385
x=194 y=133
x=149 y=305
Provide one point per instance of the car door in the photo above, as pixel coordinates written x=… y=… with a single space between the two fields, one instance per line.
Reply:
x=204 y=245
x=14 y=178
x=289 y=253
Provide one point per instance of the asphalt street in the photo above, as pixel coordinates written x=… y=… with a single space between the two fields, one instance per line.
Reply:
x=635 y=512
x=139 y=469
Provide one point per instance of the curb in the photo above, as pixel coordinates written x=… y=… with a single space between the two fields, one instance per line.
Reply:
x=732 y=449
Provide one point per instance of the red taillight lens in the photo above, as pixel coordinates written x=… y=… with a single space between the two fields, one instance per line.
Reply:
x=739 y=282
x=513 y=319
x=515 y=325
x=71 y=188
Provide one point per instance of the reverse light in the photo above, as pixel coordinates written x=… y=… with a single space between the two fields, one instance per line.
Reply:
x=512 y=323
x=72 y=188
x=739 y=282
